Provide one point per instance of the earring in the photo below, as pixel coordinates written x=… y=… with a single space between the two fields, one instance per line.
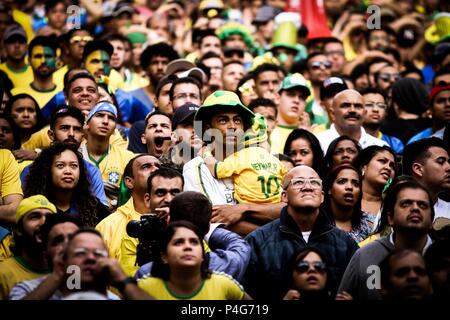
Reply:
x=362 y=173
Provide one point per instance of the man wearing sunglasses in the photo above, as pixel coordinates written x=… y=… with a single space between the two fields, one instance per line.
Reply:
x=386 y=77
x=318 y=69
x=301 y=224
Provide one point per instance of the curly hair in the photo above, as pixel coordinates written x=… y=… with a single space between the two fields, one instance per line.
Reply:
x=39 y=181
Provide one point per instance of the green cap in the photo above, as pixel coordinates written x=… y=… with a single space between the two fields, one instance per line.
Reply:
x=295 y=80
x=137 y=37
x=222 y=98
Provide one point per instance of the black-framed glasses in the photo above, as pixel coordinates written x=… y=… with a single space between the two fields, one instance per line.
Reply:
x=303 y=266
x=318 y=64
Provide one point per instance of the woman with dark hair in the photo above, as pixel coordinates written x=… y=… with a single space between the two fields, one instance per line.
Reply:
x=310 y=277
x=59 y=174
x=343 y=194
x=9 y=133
x=378 y=167
x=181 y=270
x=341 y=150
x=27 y=115
x=303 y=148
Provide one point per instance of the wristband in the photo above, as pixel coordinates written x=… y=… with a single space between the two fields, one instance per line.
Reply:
x=121 y=285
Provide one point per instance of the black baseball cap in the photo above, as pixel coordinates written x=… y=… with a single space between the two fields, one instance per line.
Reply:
x=184 y=113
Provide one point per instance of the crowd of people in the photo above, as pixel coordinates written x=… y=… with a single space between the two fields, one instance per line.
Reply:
x=225 y=150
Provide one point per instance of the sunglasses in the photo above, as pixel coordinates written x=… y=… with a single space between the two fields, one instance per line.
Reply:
x=387 y=77
x=318 y=64
x=303 y=266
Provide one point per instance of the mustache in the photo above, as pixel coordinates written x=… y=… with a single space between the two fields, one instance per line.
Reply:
x=352 y=115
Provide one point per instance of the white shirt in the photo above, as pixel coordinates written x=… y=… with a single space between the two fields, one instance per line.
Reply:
x=198 y=178
x=366 y=140
x=441 y=209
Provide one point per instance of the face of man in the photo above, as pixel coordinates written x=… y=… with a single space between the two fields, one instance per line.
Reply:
x=67 y=129
x=441 y=107
x=187 y=133
x=408 y=278
x=387 y=77
x=98 y=63
x=43 y=61
x=267 y=84
x=102 y=124
x=235 y=41
x=77 y=43
x=412 y=211
x=57 y=16
x=185 y=92
x=157 y=68
x=292 y=105
x=85 y=251
x=58 y=237
x=16 y=48
x=270 y=115
x=211 y=43
x=348 y=110
x=376 y=108
x=378 y=40
x=266 y=29
x=32 y=223
x=435 y=172
x=319 y=69
x=335 y=53
x=118 y=56
x=83 y=94
x=163 y=100
x=157 y=135
x=304 y=189
x=142 y=168
x=215 y=65
x=231 y=126
x=65 y=170
x=232 y=74
x=163 y=191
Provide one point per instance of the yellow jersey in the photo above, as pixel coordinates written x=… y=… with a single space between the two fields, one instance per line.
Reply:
x=257 y=175
x=9 y=174
x=18 y=77
x=278 y=138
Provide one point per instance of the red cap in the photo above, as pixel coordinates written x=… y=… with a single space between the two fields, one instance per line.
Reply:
x=436 y=90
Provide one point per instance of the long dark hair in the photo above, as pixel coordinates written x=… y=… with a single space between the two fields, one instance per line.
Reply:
x=39 y=181
x=161 y=269
x=313 y=143
x=332 y=148
x=40 y=120
x=327 y=185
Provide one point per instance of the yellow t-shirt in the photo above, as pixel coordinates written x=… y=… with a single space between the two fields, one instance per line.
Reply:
x=135 y=81
x=219 y=286
x=18 y=77
x=256 y=174
x=9 y=174
x=42 y=97
x=113 y=227
x=58 y=75
x=14 y=270
x=40 y=139
x=278 y=138
x=111 y=167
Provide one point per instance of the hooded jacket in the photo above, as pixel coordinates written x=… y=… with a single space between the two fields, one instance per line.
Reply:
x=274 y=244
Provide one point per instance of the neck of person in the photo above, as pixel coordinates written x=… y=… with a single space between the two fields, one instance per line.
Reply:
x=370 y=193
x=16 y=64
x=437 y=125
x=287 y=122
x=184 y=282
x=25 y=135
x=353 y=132
x=97 y=146
x=43 y=83
x=342 y=215
x=373 y=130
x=62 y=198
x=408 y=240
x=304 y=217
x=138 y=202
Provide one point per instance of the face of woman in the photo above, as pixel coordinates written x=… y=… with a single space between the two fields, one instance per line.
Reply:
x=24 y=114
x=310 y=274
x=378 y=171
x=301 y=152
x=345 y=152
x=184 y=250
x=6 y=135
x=346 y=188
x=65 y=170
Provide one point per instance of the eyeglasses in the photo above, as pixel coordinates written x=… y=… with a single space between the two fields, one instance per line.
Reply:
x=318 y=64
x=192 y=96
x=303 y=266
x=78 y=39
x=379 y=105
x=83 y=252
x=299 y=183
x=387 y=77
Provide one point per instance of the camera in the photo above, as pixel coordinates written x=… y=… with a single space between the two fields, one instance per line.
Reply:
x=148 y=230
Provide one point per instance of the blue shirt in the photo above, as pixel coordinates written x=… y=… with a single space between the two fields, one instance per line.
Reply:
x=94 y=176
x=421 y=135
x=395 y=143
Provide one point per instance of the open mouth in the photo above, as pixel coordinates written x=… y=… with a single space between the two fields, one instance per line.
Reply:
x=385 y=175
x=159 y=143
x=348 y=197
